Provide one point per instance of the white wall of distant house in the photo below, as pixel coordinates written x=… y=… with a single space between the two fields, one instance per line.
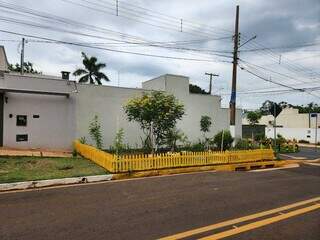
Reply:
x=307 y=134
x=62 y=119
x=107 y=102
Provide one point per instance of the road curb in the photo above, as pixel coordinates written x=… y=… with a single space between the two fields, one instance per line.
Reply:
x=140 y=174
x=53 y=182
x=222 y=167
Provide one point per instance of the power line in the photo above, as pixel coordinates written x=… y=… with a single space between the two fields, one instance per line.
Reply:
x=282 y=47
x=20 y=10
x=277 y=83
x=129 y=9
x=131 y=6
x=66 y=21
x=303 y=58
x=287 y=65
x=274 y=55
x=311 y=89
x=134 y=17
x=276 y=89
x=100 y=37
x=113 y=50
x=273 y=71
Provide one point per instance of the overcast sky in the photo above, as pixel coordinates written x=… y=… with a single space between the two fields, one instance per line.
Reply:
x=282 y=25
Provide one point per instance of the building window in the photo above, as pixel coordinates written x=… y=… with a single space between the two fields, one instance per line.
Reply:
x=22 y=120
x=22 y=137
x=36 y=116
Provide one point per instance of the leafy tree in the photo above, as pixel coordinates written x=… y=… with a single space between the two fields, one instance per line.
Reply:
x=27 y=68
x=223 y=138
x=205 y=123
x=157 y=113
x=91 y=73
x=308 y=108
x=253 y=118
x=284 y=104
x=196 y=89
x=95 y=131
x=265 y=108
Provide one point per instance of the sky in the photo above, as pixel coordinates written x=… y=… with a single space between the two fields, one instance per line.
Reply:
x=283 y=58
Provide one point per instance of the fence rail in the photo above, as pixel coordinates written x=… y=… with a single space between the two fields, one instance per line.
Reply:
x=126 y=163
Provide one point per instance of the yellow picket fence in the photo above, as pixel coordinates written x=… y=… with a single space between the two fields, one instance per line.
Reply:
x=141 y=162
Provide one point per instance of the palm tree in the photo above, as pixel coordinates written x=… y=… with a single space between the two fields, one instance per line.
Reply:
x=91 y=73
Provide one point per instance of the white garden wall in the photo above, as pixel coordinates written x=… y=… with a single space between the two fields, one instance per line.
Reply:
x=307 y=134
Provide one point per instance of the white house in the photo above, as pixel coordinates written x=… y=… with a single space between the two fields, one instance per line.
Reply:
x=38 y=111
x=292 y=125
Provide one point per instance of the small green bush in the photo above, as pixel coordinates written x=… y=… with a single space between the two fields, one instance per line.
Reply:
x=280 y=140
x=227 y=140
x=83 y=140
x=95 y=131
x=118 y=144
x=243 y=144
x=260 y=137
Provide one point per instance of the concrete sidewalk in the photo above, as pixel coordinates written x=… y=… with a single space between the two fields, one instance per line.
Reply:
x=34 y=152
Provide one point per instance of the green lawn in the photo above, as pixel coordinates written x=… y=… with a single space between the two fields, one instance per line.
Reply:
x=17 y=169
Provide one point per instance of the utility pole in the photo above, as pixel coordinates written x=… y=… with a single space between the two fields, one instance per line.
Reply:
x=315 y=115
x=234 y=77
x=22 y=56
x=211 y=75
x=316 y=132
x=275 y=126
x=117 y=7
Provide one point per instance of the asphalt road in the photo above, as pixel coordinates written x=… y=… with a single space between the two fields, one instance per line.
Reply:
x=308 y=153
x=163 y=206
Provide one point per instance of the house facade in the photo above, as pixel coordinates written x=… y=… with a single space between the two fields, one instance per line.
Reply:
x=40 y=111
x=292 y=125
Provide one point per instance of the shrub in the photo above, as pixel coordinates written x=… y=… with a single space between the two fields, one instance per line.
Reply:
x=95 y=132
x=243 y=144
x=260 y=137
x=83 y=140
x=118 y=144
x=174 y=136
x=197 y=147
x=227 y=140
x=74 y=152
x=280 y=140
